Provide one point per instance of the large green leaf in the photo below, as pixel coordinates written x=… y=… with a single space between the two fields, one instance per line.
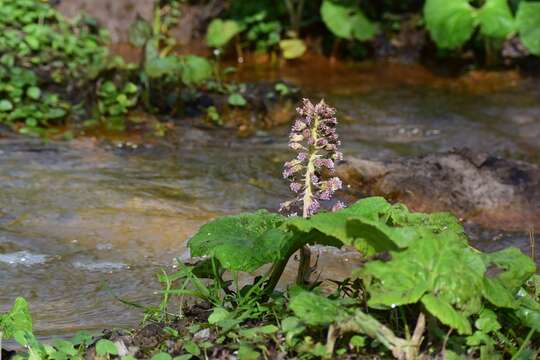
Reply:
x=373 y=225
x=18 y=319
x=440 y=265
x=195 y=69
x=512 y=266
x=447 y=314
x=158 y=67
x=220 y=32
x=495 y=292
x=244 y=242
x=315 y=309
x=348 y=22
x=450 y=22
x=496 y=19
x=528 y=25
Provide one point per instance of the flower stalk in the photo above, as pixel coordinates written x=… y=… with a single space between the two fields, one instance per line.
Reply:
x=314 y=137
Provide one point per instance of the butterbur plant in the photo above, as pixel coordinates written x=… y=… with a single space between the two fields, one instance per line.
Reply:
x=314 y=137
x=428 y=268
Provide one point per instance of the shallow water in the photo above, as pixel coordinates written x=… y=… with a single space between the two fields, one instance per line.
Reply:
x=82 y=222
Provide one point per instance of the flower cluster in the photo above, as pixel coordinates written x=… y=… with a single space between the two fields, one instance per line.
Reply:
x=314 y=137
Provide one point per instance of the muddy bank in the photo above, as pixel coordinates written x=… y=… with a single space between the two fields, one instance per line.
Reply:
x=490 y=191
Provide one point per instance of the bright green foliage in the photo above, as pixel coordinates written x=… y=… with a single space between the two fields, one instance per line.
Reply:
x=23 y=101
x=496 y=19
x=35 y=32
x=17 y=324
x=373 y=225
x=195 y=69
x=17 y=319
x=162 y=356
x=243 y=242
x=450 y=23
x=220 y=32
x=447 y=276
x=528 y=25
x=348 y=22
x=236 y=99
x=40 y=48
x=292 y=48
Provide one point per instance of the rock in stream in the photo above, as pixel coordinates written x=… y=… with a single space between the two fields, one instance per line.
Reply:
x=492 y=192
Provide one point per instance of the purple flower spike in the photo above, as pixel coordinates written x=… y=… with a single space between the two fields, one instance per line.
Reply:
x=314 y=136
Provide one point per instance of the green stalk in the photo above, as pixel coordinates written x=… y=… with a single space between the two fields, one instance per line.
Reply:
x=156 y=26
x=295 y=14
x=304 y=269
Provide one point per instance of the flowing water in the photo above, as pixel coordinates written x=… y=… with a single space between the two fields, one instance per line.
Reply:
x=82 y=222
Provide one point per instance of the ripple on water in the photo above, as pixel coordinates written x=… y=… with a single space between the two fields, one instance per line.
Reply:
x=99 y=265
x=24 y=258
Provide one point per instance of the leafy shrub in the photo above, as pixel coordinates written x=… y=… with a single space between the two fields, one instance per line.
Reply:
x=42 y=51
x=162 y=71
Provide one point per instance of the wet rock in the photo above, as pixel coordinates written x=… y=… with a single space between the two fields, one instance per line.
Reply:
x=493 y=192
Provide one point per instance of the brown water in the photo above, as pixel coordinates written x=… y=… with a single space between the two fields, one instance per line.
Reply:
x=81 y=222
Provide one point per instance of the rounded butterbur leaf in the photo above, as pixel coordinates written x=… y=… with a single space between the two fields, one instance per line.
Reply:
x=243 y=242
x=196 y=70
x=106 y=347
x=237 y=100
x=347 y=22
x=450 y=23
x=33 y=92
x=139 y=32
x=496 y=19
x=5 y=105
x=220 y=32
x=292 y=48
x=528 y=25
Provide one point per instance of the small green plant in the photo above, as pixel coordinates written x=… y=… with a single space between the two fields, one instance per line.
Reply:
x=114 y=103
x=17 y=324
x=158 y=45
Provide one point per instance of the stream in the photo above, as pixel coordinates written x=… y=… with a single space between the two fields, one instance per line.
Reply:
x=85 y=221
